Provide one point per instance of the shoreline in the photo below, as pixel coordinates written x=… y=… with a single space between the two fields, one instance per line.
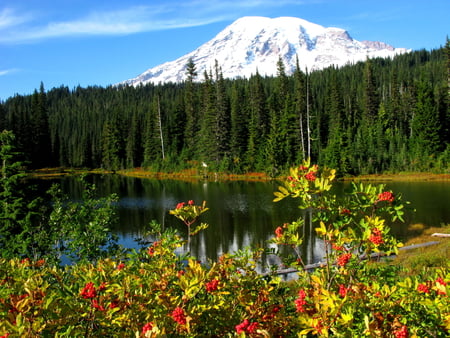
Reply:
x=196 y=174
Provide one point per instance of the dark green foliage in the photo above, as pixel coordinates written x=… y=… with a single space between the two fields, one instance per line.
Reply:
x=78 y=230
x=82 y=229
x=373 y=116
x=22 y=217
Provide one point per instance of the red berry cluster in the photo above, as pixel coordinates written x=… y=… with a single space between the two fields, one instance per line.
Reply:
x=343 y=259
x=401 y=332
x=386 y=196
x=147 y=327
x=89 y=291
x=179 y=316
x=246 y=327
x=376 y=237
x=279 y=232
x=423 y=288
x=300 y=302
x=212 y=285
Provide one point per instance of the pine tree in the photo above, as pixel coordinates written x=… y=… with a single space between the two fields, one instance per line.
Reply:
x=222 y=116
x=111 y=146
x=41 y=151
x=300 y=109
x=22 y=217
x=190 y=100
x=207 y=146
x=425 y=124
x=239 y=125
x=370 y=93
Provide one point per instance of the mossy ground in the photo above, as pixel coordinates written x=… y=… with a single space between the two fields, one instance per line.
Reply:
x=433 y=256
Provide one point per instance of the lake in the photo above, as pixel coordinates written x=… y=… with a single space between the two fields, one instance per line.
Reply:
x=241 y=213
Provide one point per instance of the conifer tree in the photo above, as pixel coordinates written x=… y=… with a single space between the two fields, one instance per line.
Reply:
x=207 y=146
x=41 y=152
x=191 y=108
x=300 y=108
x=111 y=158
x=22 y=217
x=222 y=116
x=425 y=124
x=239 y=124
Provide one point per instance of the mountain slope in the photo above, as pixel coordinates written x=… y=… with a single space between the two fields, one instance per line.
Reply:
x=252 y=44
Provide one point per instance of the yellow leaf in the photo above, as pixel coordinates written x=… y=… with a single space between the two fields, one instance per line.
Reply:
x=283 y=190
x=346 y=317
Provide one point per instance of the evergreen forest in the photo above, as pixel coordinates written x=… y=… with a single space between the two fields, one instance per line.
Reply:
x=381 y=115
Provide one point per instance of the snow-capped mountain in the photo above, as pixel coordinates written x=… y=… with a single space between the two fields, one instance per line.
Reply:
x=254 y=44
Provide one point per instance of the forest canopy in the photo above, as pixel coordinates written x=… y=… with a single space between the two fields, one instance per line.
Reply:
x=370 y=117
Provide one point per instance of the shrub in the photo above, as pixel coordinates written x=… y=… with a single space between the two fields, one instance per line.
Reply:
x=155 y=292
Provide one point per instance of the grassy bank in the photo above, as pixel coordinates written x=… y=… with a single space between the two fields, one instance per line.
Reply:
x=193 y=174
x=432 y=256
x=415 y=176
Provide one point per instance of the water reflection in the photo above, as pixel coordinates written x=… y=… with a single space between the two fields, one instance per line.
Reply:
x=241 y=214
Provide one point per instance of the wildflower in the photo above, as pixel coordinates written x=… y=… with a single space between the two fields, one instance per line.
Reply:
x=180 y=205
x=279 y=232
x=246 y=327
x=120 y=266
x=190 y=202
x=40 y=262
x=337 y=247
x=386 y=196
x=147 y=327
x=276 y=308
x=423 y=288
x=402 y=332
x=342 y=290
x=114 y=304
x=319 y=327
x=441 y=281
x=212 y=285
x=376 y=237
x=300 y=301
x=89 y=291
x=97 y=305
x=303 y=168
x=440 y=286
x=345 y=211
x=179 y=316
x=343 y=259
x=311 y=176
x=151 y=250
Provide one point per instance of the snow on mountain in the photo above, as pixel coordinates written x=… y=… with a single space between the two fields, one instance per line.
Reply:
x=254 y=44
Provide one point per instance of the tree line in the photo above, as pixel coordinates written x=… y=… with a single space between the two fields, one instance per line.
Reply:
x=370 y=117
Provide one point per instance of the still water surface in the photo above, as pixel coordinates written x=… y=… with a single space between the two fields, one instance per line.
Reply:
x=241 y=213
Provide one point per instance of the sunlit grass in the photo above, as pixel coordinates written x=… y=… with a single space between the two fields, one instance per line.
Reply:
x=433 y=256
x=404 y=176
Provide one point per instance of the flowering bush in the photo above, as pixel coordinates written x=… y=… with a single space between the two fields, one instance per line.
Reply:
x=189 y=213
x=154 y=292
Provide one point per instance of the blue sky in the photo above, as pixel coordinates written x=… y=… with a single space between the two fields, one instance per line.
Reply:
x=102 y=42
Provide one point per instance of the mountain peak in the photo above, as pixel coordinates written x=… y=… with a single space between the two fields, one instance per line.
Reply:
x=255 y=43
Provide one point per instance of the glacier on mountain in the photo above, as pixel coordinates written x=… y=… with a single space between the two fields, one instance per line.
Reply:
x=255 y=44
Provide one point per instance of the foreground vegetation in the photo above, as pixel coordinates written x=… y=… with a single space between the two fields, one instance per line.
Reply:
x=155 y=292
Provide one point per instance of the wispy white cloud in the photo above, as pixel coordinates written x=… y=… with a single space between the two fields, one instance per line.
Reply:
x=8 y=18
x=382 y=15
x=16 y=28
x=7 y=71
